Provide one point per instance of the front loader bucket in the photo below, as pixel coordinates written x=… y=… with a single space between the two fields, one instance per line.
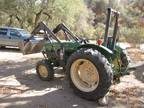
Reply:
x=31 y=46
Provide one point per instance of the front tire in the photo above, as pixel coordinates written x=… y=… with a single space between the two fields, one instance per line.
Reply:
x=45 y=70
x=90 y=74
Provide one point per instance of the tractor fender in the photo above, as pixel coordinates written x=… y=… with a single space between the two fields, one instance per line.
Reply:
x=103 y=50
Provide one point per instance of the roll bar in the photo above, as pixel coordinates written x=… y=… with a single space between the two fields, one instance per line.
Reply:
x=111 y=11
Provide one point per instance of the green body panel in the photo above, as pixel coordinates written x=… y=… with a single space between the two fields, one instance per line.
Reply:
x=73 y=46
x=66 y=45
x=52 y=50
x=70 y=47
x=116 y=61
x=103 y=50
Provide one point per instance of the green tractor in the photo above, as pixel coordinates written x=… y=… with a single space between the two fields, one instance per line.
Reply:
x=90 y=68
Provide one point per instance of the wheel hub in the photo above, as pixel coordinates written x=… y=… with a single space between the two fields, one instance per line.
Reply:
x=87 y=73
x=43 y=71
x=84 y=75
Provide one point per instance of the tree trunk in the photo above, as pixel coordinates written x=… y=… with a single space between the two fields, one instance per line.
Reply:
x=10 y=20
x=38 y=15
x=20 y=21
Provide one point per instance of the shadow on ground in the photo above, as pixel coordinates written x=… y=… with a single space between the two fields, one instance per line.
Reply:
x=39 y=94
x=24 y=73
x=10 y=49
x=42 y=94
x=139 y=73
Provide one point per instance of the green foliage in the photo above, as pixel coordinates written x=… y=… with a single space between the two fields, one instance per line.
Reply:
x=27 y=13
x=85 y=17
x=133 y=29
x=133 y=35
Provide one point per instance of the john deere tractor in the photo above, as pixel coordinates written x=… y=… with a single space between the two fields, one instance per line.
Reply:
x=90 y=68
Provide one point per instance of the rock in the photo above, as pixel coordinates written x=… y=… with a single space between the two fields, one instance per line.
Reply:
x=142 y=47
x=103 y=101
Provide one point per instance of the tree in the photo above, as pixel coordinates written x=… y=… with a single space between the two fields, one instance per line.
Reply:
x=28 y=13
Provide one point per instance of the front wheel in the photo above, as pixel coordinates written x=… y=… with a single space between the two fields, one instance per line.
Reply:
x=90 y=74
x=45 y=70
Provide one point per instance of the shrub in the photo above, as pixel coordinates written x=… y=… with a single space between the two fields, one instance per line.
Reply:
x=133 y=35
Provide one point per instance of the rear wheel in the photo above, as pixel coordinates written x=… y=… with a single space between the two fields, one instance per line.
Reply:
x=84 y=75
x=45 y=70
x=90 y=74
x=124 y=62
x=124 y=59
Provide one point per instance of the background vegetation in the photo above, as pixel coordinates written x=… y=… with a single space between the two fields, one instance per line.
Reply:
x=85 y=17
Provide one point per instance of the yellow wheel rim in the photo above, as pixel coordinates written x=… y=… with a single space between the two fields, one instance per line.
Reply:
x=43 y=71
x=84 y=75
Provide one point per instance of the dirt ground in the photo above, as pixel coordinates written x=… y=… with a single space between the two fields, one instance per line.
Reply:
x=21 y=88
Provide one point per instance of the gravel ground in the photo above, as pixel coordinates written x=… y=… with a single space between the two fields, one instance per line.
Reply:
x=21 y=88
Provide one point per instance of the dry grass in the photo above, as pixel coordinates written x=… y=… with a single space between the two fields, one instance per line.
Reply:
x=136 y=54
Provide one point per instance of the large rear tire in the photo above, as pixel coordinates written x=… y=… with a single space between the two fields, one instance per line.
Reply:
x=45 y=70
x=90 y=74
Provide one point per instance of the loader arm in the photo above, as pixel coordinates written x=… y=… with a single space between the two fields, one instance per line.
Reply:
x=111 y=11
x=31 y=45
x=47 y=31
x=66 y=31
